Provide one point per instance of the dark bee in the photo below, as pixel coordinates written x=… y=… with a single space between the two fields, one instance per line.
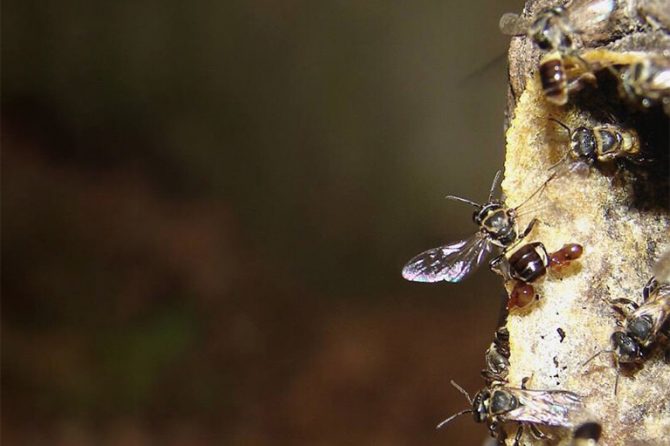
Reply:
x=587 y=434
x=562 y=30
x=497 y=358
x=455 y=261
x=641 y=327
x=561 y=27
x=601 y=143
x=498 y=404
x=562 y=74
x=647 y=82
x=528 y=264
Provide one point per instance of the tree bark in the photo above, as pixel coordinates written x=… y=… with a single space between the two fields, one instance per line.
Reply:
x=621 y=216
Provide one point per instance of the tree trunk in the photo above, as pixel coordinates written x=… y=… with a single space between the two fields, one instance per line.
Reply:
x=620 y=214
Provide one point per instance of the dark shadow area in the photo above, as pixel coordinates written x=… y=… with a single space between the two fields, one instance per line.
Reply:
x=206 y=207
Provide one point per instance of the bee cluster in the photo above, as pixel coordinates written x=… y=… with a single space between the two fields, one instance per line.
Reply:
x=619 y=91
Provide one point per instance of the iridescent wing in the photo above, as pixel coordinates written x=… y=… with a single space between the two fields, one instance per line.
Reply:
x=657 y=307
x=659 y=82
x=548 y=407
x=590 y=17
x=512 y=24
x=453 y=262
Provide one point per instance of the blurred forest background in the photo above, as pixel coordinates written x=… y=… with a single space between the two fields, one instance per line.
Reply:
x=206 y=207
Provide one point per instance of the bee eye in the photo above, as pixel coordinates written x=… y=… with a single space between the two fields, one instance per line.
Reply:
x=625 y=345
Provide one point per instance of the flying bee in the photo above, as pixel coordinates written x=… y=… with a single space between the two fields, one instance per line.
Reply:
x=562 y=74
x=562 y=30
x=498 y=229
x=587 y=434
x=559 y=28
x=497 y=404
x=642 y=325
x=497 y=358
x=601 y=143
x=528 y=264
x=647 y=82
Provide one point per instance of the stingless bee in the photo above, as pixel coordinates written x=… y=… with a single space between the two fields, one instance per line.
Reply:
x=497 y=358
x=647 y=82
x=498 y=229
x=528 y=264
x=600 y=143
x=562 y=30
x=559 y=28
x=587 y=434
x=642 y=325
x=562 y=74
x=498 y=404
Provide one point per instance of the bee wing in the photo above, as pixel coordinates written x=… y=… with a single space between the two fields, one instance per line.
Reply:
x=590 y=16
x=453 y=262
x=549 y=407
x=662 y=268
x=657 y=308
x=512 y=24
x=660 y=81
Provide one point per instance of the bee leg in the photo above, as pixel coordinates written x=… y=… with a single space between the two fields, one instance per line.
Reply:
x=537 y=433
x=529 y=228
x=649 y=289
x=517 y=437
x=578 y=83
x=578 y=72
x=500 y=266
x=581 y=168
x=641 y=161
x=623 y=306
x=524 y=381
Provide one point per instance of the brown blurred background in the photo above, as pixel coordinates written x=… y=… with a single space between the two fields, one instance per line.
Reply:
x=206 y=207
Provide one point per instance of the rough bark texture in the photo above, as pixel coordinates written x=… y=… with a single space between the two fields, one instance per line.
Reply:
x=622 y=218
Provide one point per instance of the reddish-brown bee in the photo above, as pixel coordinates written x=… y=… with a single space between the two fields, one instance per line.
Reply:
x=528 y=264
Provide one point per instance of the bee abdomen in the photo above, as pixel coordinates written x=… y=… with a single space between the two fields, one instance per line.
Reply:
x=612 y=142
x=554 y=81
x=608 y=143
x=529 y=262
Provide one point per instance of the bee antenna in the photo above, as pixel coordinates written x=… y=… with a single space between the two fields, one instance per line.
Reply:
x=561 y=124
x=539 y=190
x=496 y=181
x=458 y=414
x=558 y=163
x=596 y=355
x=462 y=390
x=463 y=200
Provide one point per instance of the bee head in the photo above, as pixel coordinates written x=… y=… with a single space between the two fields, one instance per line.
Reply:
x=548 y=31
x=583 y=143
x=480 y=405
x=626 y=348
